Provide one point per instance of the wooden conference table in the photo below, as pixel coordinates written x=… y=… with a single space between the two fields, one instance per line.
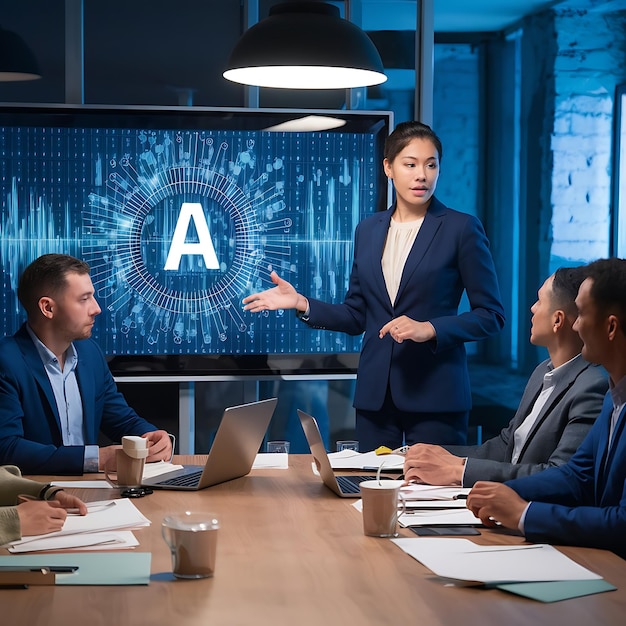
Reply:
x=291 y=552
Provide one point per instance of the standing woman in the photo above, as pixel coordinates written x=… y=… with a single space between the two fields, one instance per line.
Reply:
x=411 y=266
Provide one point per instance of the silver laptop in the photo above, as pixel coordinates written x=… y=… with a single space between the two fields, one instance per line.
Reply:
x=236 y=444
x=344 y=486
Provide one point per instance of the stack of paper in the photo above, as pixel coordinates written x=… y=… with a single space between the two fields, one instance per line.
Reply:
x=413 y=491
x=439 y=517
x=464 y=560
x=537 y=571
x=107 y=525
x=151 y=470
x=367 y=461
x=428 y=505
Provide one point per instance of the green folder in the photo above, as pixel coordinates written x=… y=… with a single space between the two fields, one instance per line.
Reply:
x=553 y=591
x=94 y=568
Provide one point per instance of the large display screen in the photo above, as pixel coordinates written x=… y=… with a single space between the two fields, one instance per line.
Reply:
x=181 y=212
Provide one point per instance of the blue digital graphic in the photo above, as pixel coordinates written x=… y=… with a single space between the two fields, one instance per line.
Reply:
x=178 y=225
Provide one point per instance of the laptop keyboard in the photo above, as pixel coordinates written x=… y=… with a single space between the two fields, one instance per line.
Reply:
x=187 y=480
x=350 y=484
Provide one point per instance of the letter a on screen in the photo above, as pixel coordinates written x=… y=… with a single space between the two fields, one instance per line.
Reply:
x=191 y=211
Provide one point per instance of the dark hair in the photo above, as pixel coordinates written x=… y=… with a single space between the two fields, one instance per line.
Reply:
x=404 y=133
x=565 y=285
x=608 y=289
x=45 y=276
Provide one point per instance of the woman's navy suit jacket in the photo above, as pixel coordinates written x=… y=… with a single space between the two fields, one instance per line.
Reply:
x=450 y=254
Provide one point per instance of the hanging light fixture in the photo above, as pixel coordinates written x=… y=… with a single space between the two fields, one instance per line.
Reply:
x=305 y=45
x=17 y=62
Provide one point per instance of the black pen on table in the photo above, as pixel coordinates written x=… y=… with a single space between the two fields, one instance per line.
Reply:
x=44 y=569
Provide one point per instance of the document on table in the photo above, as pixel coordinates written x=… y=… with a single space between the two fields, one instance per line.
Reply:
x=349 y=459
x=118 y=540
x=103 y=517
x=83 y=484
x=413 y=491
x=441 y=517
x=463 y=560
x=428 y=505
x=150 y=470
x=271 y=460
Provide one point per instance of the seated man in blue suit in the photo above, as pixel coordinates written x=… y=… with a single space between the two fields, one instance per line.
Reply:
x=583 y=502
x=56 y=390
x=560 y=404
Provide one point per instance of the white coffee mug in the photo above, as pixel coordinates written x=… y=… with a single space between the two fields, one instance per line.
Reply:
x=380 y=499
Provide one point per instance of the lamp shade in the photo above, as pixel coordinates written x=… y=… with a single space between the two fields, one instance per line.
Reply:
x=17 y=62
x=305 y=45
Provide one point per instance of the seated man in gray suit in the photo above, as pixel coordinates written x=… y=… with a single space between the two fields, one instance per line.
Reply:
x=562 y=399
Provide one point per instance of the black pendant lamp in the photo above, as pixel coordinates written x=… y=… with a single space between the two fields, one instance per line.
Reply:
x=305 y=45
x=17 y=62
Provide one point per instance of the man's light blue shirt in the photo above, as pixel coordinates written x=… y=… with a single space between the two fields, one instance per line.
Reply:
x=68 y=399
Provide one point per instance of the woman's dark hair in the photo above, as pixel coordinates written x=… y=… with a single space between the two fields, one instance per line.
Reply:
x=404 y=133
x=45 y=276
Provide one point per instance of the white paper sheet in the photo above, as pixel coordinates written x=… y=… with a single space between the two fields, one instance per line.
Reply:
x=447 y=517
x=271 y=460
x=464 y=560
x=118 y=540
x=349 y=459
x=413 y=491
x=434 y=504
x=427 y=506
x=83 y=484
x=150 y=470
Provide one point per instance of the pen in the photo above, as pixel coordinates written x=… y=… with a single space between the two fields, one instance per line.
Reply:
x=401 y=450
x=508 y=549
x=63 y=569
x=13 y=586
x=44 y=569
x=460 y=496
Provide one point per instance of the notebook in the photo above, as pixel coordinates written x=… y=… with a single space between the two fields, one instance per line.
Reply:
x=236 y=444
x=344 y=486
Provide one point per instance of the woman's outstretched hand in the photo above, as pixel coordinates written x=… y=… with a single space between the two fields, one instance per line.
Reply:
x=283 y=296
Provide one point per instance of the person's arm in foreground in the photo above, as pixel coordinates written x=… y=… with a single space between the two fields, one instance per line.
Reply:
x=42 y=510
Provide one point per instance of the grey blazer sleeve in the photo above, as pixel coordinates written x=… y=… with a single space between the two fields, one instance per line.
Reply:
x=560 y=429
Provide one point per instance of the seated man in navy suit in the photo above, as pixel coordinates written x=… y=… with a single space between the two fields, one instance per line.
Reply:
x=560 y=404
x=56 y=390
x=583 y=502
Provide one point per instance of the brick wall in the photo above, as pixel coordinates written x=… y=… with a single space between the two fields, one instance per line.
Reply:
x=590 y=62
